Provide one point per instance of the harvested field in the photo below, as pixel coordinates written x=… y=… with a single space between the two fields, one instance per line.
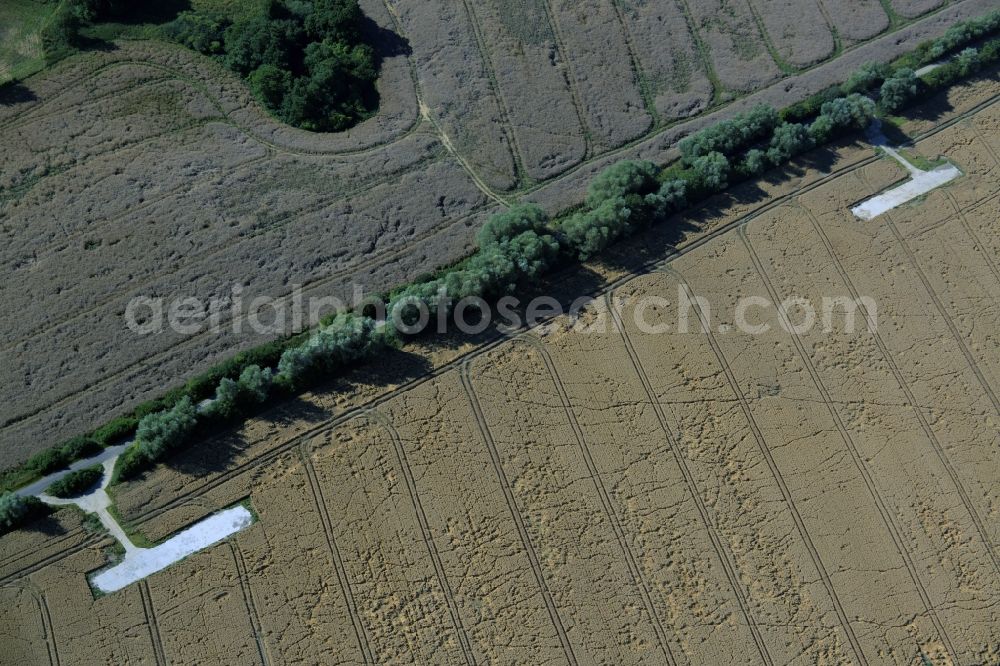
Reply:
x=148 y=170
x=910 y=8
x=597 y=491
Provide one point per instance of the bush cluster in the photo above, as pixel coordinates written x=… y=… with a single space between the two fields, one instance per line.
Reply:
x=76 y=482
x=898 y=90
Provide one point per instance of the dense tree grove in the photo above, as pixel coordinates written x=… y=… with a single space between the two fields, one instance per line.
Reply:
x=157 y=434
x=305 y=60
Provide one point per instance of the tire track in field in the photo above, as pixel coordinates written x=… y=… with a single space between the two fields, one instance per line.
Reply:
x=52 y=559
x=635 y=573
x=380 y=419
x=773 y=467
x=505 y=123
x=244 y=578
x=50 y=637
x=721 y=552
x=383 y=259
x=154 y=629
x=508 y=494
x=31 y=549
x=956 y=334
x=364 y=643
x=885 y=512
x=890 y=360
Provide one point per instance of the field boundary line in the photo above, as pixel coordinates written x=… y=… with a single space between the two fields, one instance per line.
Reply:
x=910 y=397
x=360 y=631
x=499 y=338
x=638 y=579
x=508 y=494
x=255 y=625
x=380 y=419
x=772 y=466
x=956 y=334
x=729 y=566
x=887 y=514
x=151 y=623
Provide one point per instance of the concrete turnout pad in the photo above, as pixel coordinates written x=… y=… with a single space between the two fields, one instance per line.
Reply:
x=142 y=562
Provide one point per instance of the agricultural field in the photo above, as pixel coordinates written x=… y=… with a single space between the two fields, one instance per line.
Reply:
x=144 y=169
x=594 y=491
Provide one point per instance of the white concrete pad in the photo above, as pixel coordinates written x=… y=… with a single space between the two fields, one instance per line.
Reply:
x=142 y=562
x=922 y=182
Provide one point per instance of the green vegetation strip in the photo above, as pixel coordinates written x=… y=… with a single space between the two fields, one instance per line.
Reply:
x=517 y=247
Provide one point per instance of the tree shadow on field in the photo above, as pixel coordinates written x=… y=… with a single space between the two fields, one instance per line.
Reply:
x=15 y=92
x=216 y=446
x=385 y=42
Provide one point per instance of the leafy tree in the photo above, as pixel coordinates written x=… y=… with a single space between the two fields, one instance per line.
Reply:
x=159 y=433
x=897 y=90
x=754 y=163
x=226 y=401
x=270 y=84
x=730 y=136
x=346 y=339
x=201 y=31
x=334 y=19
x=788 y=140
x=968 y=62
x=845 y=113
x=712 y=172
x=261 y=40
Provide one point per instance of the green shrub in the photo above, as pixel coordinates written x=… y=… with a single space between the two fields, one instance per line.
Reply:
x=255 y=383
x=77 y=482
x=508 y=224
x=225 y=404
x=16 y=511
x=754 y=163
x=898 y=90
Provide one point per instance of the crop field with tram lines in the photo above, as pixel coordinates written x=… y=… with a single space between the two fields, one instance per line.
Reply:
x=587 y=491
x=145 y=169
